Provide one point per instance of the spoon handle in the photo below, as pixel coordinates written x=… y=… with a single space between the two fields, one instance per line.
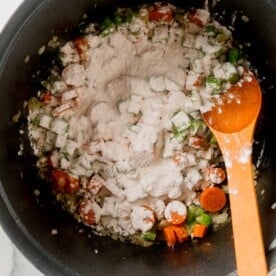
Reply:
x=249 y=249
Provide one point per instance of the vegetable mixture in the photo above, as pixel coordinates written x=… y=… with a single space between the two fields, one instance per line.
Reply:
x=118 y=132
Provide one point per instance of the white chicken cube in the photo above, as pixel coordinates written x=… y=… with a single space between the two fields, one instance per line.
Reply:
x=69 y=95
x=59 y=126
x=69 y=54
x=161 y=33
x=189 y=40
x=95 y=184
x=193 y=80
x=181 y=120
x=157 y=83
x=61 y=140
x=74 y=74
x=45 y=121
x=171 y=85
x=70 y=147
x=134 y=193
x=108 y=208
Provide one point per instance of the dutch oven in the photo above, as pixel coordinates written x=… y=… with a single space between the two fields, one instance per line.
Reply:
x=28 y=219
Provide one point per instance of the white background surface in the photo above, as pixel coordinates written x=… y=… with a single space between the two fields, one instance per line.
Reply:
x=12 y=262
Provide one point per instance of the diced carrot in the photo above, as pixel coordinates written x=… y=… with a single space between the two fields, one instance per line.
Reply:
x=169 y=235
x=63 y=182
x=181 y=234
x=177 y=218
x=212 y=199
x=200 y=231
x=87 y=215
x=175 y=234
x=46 y=97
x=161 y=13
x=216 y=175
x=81 y=44
x=196 y=142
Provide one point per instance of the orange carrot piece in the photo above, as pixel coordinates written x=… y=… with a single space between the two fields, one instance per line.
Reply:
x=212 y=199
x=169 y=235
x=200 y=230
x=177 y=218
x=181 y=234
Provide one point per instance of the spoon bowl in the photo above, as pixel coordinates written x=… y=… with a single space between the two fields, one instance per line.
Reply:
x=232 y=121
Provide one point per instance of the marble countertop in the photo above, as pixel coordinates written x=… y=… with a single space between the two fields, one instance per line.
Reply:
x=12 y=262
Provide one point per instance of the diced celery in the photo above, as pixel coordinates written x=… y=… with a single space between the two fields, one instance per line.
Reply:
x=222 y=37
x=204 y=219
x=196 y=125
x=179 y=132
x=234 y=55
x=36 y=120
x=118 y=19
x=193 y=212
x=107 y=23
x=210 y=29
x=34 y=103
x=149 y=236
x=213 y=140
x=129 y=15
x=215 y=83
x=234 y=78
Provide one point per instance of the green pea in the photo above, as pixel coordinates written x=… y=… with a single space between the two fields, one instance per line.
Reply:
x=149 y=236
x=204 y=219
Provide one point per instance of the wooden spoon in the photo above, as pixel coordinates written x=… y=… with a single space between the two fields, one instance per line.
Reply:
x=232 y=121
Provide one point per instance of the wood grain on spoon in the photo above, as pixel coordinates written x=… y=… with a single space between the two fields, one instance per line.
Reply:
x=232 y=121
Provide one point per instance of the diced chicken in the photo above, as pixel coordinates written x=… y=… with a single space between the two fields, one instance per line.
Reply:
x=142 y=218
x=181 y=120
x=193 y=176
x=62 y=108
x=69 y=95
x=174 y=192
x=157 y=83
x=110 y=184
x=59 y=126
x=224 y=71
x=95 y=184
x=108 y=207
x=134 y=193
x=171 y=145
x=61 y=140
x=171 y=85
x=74 y=74
x=69 y=54
x=70 y=147
x=185 y=159
x=45 y=121
x=161 y=33
x=189 y=40
x=193 y=80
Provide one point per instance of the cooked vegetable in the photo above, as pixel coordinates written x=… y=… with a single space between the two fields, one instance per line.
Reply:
x=149 y=235
x=119 y=132
x=234 y=55
x=204 y=219
x=175 y=234
x=213 y=199
x=199 y=230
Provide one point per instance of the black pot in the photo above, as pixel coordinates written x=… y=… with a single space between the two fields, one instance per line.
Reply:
x=29 y=223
